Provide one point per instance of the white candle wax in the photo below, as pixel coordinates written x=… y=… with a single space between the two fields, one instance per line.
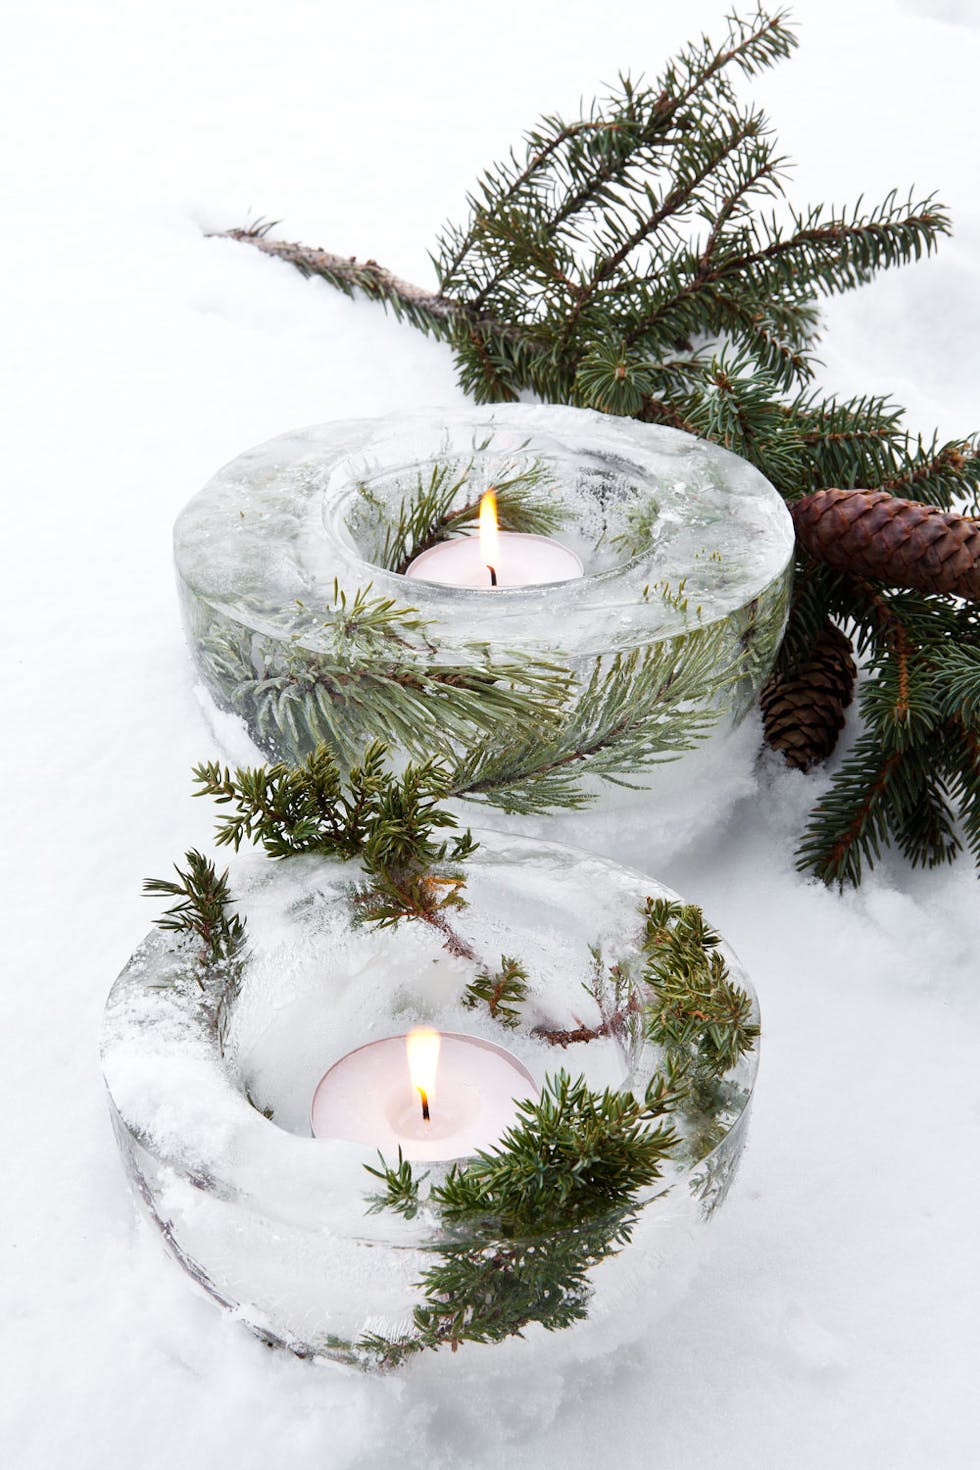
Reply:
x=522 y=561
x=369 y=1097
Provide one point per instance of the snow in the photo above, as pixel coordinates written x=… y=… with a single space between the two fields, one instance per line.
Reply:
x=835 y=1321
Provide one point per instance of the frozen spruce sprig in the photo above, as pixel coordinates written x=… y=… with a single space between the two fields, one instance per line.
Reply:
x=635 y=709
x=203 y=907
x=443 y=504
x=524 y=1224
x=386 y=821
x=381 y=674
x=376 y=670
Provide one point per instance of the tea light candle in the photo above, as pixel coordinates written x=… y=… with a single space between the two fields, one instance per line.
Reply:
x=434 y=1096
x=496 y=558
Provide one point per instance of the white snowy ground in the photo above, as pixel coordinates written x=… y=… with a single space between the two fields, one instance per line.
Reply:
x=837 y=1321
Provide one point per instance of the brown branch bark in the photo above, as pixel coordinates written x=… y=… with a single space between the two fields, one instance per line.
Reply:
x=452 y=941
x=443 y=314
x=557 y=1036
x=348 y=272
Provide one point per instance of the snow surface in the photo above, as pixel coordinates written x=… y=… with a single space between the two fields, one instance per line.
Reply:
x=836 y=1321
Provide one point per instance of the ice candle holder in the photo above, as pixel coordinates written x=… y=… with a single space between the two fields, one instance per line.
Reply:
x=292 y=566
x=211 y=1071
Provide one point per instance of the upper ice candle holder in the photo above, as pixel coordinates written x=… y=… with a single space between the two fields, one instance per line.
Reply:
x=212 y=1071
x=308 y=619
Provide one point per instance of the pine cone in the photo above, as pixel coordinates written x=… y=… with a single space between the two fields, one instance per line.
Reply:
x=803 y=710
x=899 y=542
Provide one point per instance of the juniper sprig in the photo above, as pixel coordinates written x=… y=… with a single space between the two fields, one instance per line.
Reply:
x=202 y=907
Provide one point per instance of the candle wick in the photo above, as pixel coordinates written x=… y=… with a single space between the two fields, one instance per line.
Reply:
x=425 y=1104
x=493 y=575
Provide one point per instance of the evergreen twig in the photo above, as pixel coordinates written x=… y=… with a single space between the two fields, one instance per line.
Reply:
x=619 y=1003
x=636 y=709
x=695 y=1011
x=916 y=767
x=525 y=1222
x=503 y=993
x=202 y=907
x=401 y=1188
x=386 y=821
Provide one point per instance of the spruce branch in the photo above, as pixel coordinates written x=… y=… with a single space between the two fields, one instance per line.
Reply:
x=938 y=473
x=963 y=768
x=857 y=441
x=832 y=253
x=916 y=766
x=605 y=151
x=637 y=259
x=853 y=822
x=636 y=709
x=961 y=680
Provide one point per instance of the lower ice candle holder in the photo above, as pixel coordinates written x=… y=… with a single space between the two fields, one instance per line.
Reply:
x=211 y=1069
x=292 y=569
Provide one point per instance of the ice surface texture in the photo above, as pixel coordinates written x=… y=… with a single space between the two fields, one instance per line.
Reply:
x=687 y=551
x=214 y=1133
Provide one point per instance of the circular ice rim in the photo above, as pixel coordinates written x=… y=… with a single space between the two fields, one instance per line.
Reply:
x=602 y=611
x=336 y=523
x=318 y=1175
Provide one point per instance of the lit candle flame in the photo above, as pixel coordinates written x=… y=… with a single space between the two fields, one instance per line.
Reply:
x=489 y=540
x=422 y=1046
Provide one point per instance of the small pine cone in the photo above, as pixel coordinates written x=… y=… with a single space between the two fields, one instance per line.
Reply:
x=898 y=542
x=803 y=710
